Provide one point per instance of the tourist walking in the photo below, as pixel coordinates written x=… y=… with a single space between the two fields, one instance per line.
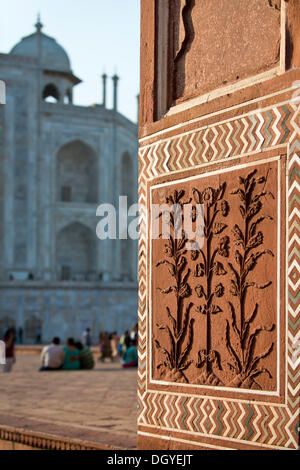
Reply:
x=115 y=339
x=38 y=336
x=124 y=343
x=105 y=347
x=20 y=335
x=134 y=332
x=86 y=337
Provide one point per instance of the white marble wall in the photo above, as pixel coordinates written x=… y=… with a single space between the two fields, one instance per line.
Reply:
x=31 y=134
x=65 y=309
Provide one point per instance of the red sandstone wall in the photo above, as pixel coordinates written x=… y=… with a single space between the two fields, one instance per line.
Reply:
x=219 y=125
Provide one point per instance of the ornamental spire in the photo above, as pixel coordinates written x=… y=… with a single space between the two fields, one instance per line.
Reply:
x=38 y=24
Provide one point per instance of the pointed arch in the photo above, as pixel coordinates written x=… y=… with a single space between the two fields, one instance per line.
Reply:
x=6 y=322
x=127 y=178
x=32 y=328
x=75 y=252
x=51 y=93
x=128 y=185
x=76 y=173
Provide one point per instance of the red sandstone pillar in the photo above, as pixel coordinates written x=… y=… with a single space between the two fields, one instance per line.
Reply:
x=219 y=127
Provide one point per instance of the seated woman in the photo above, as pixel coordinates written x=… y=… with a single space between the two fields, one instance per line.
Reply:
x=71 y=360
x=86 y=357
x=130 y=358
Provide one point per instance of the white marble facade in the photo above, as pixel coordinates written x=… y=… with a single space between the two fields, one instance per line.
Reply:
x=60 y=161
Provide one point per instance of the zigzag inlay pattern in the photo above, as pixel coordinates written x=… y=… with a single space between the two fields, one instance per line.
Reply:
x=252 y=133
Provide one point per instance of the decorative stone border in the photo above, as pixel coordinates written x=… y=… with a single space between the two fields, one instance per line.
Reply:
x=19 y=439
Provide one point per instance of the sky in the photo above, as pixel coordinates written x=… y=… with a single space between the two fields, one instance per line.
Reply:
x=98 y=35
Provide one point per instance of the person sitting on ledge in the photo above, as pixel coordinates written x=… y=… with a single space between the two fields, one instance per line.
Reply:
x=130 y=358
x=86 y=357
x=71 y=360
x=52 y=357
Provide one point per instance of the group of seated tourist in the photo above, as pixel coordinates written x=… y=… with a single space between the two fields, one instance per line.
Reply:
x=73 y=356
x=76 y=355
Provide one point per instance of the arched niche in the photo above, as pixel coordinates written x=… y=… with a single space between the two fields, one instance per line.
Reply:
x=32 y=329
x=128 y=179
x=6 y=322
x=128 y=185
x=76 y=253
x=51 y=93
x=76 y=173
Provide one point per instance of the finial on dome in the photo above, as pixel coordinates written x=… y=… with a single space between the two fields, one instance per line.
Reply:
x=38 y=24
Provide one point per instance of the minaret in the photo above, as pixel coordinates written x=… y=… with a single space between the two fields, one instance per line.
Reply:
x=36 y=200
x=115 y=80
x=104 y=79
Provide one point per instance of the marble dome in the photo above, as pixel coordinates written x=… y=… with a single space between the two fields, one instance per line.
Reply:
x=53 y=56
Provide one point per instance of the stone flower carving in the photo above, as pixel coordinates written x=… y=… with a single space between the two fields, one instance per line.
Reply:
x=215 y=208
x=245 y=362
x=179 y=329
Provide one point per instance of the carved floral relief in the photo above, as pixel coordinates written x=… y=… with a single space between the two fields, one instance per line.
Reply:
x=214 y=306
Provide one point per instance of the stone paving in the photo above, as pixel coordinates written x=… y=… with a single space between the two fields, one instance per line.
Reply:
x=97 y=406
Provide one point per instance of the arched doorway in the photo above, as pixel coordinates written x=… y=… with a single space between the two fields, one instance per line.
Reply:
x=33 y=329
x=75 y=253
x=6 y=322
x=76 y=173
x=127 y=179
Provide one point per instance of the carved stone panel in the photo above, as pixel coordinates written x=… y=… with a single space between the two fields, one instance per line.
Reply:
x=213 y=303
